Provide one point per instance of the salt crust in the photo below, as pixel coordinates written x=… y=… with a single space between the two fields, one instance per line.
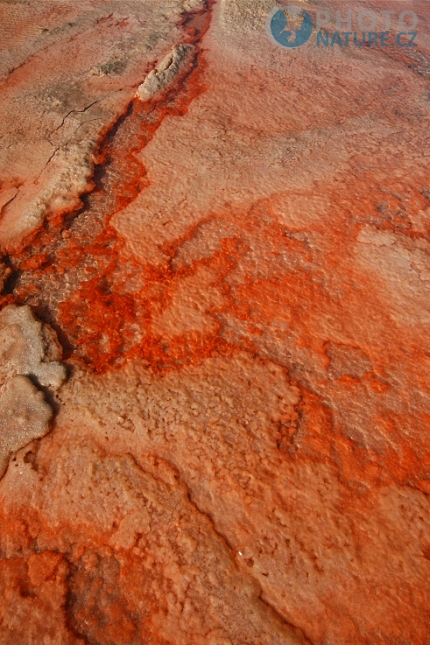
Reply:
x=161 y=77
x=28 y=352
x=24 y=415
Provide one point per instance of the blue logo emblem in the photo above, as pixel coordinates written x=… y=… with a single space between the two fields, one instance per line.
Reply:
x=289 y=27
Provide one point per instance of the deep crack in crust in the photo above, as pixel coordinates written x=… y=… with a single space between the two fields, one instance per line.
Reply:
x=78 y=108
x=53 y=272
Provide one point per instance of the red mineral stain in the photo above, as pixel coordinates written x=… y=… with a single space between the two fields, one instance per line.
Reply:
x=317 y=299
x=95 y=319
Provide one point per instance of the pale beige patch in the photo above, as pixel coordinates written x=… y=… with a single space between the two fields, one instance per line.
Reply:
x=26 y=349
x=24 y=415
x=162 y=76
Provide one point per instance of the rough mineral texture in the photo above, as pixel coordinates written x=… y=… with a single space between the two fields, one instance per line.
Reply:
x=28 y=347
x=27 y=353
x=224 y=244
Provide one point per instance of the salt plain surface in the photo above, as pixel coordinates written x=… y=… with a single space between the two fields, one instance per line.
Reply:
x=215 y=373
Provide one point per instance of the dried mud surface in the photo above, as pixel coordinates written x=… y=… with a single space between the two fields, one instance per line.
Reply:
x=215 y=378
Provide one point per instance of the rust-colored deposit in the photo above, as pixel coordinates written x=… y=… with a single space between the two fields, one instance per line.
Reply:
x=214 y=373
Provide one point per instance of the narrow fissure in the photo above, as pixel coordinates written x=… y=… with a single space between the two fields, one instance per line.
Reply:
x=69 y=263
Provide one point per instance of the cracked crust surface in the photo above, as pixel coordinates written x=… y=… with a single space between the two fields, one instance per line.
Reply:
x=241 y=455
x=75 y=68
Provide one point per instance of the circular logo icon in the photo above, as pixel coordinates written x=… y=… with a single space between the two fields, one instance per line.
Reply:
x=289 y=27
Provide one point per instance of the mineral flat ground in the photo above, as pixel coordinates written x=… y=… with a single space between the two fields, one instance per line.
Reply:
x=214 y=326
